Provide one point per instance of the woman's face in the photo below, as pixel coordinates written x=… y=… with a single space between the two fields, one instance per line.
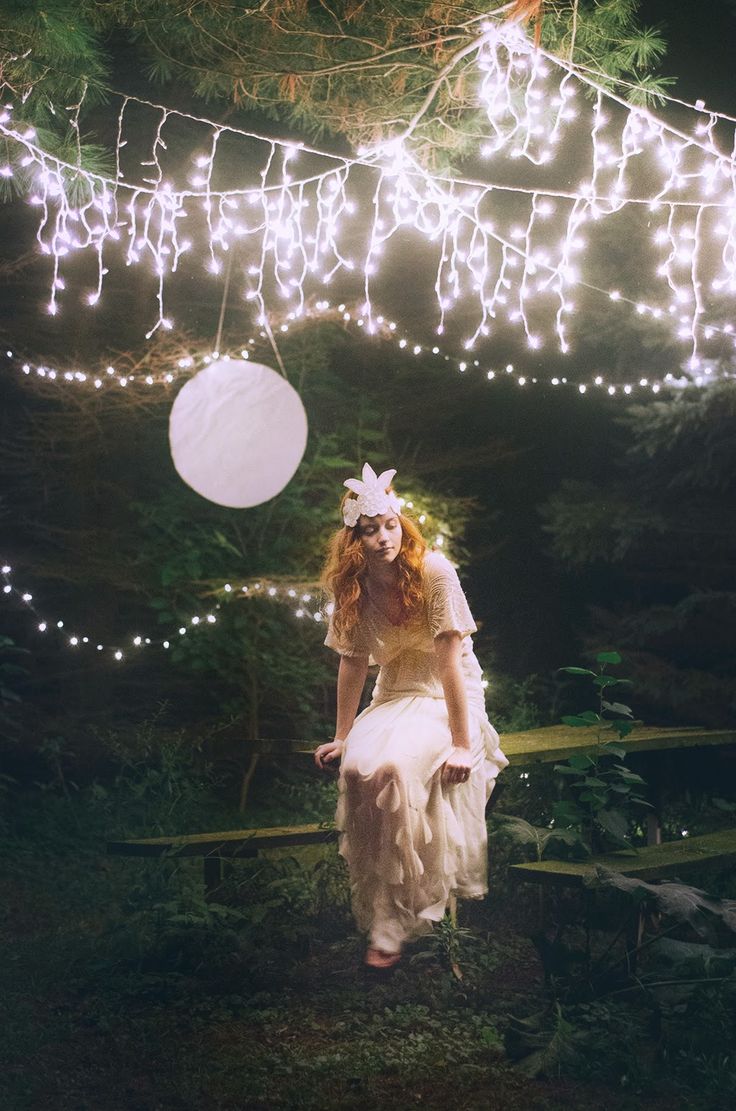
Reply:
x=381 y=537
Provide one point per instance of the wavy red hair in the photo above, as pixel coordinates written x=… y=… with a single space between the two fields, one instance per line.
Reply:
x=345 y=568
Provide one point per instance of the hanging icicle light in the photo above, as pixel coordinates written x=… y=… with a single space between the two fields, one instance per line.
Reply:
x=519 y=263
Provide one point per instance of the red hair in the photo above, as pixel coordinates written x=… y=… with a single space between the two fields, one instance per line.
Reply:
x=344 y=572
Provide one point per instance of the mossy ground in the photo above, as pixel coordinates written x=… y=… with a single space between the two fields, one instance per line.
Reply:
x=123 y=991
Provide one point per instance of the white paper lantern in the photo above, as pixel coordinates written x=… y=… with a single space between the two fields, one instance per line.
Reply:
x=237 y=432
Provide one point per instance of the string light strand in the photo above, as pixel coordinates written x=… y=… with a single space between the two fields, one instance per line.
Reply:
x=380 y=330
x=516 y=267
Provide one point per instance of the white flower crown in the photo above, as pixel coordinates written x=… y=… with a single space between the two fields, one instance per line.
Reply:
x=373 y=497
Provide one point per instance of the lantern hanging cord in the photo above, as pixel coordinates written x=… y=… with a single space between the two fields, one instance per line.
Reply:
x=274 y=346
x=225 y=291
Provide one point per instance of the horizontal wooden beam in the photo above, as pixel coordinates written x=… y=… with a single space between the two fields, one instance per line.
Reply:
x=558 y=742
x=541 y=746
x=236 y=842
x=646 y=863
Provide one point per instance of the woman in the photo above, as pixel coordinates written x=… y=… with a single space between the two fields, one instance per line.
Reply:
x=419 y=764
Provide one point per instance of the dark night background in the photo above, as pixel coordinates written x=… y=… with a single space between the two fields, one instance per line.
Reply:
x=508 y=449
x=582 y=524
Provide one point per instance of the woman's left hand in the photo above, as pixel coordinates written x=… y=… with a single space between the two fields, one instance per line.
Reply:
x=457 y=766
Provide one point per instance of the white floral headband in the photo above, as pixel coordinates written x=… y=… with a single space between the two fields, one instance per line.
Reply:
x=372 y=498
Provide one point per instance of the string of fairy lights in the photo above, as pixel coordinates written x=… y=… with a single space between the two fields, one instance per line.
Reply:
x=517 y=261
x=380 y=328
x=304 y=600
x=129 y=646
x=303 y=604
x=511 y=251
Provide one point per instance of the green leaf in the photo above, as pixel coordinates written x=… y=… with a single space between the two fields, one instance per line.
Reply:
x=522 y=831
x=590 y=716
x=577 y=670
x=574 y=720
x=563 y=769
x=581 y=762
x=675 y=900
x=629 y=776
x=567 y=812
x=617 y=708
x=223 y=541
x=592 y=796
x=614 y=822
x=608 y=658
x=610 y=748
x=593 y=781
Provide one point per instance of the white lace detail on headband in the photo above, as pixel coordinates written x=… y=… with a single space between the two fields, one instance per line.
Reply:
x=372 y=496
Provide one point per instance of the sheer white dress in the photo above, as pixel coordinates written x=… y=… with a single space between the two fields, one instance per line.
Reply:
x=408 y=839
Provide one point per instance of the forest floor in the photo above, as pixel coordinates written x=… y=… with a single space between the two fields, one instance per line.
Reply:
x=123 y=991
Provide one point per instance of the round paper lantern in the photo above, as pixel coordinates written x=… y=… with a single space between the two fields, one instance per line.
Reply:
x=237 y=432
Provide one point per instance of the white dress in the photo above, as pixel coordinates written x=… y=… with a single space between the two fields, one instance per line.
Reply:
x=408 y=839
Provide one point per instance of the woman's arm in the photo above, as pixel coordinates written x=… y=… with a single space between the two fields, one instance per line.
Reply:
x=448 y=650
x=350 y=682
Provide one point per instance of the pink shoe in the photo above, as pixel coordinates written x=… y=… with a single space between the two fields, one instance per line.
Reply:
x=379 y=958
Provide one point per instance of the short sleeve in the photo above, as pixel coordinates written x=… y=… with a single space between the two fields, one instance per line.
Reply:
x=345 y=645
x=447 y=606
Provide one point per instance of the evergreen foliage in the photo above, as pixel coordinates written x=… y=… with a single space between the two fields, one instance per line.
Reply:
x=359 y=71
x=662 y=519
x=53 y=62
x=111 y=538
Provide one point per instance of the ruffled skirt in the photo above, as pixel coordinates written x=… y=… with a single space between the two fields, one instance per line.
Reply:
x=409 y=840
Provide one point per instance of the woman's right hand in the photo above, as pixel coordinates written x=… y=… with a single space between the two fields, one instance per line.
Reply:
x=328 y=754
